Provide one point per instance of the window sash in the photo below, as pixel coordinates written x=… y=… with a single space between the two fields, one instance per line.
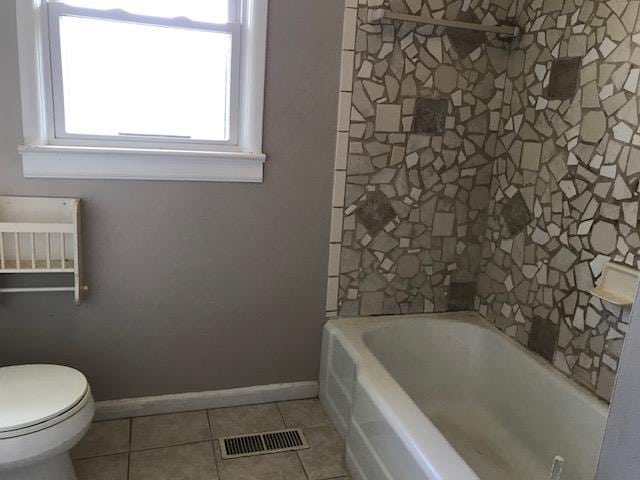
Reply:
x=57 y=125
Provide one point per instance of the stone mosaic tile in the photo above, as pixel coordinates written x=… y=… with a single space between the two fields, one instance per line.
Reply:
x=516 y=214
x=543 y=338
x=584 y=117
x=429 y=116
x=466 y=41
x=461 y=296
x=375 y=211
x=563 y=78
x=424 y=126
x=530 y=188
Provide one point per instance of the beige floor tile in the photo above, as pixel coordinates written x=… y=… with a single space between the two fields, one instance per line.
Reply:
x=249 y=419
x=276 y=466
x=323 y=459
x=167 y=430
x=184 y=462
x=104 y=438
x=304 y=414
x=111 y=467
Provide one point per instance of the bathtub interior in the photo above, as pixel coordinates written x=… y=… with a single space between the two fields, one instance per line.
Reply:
x=467 y=379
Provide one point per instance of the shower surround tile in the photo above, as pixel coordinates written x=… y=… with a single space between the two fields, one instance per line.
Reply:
x=430 y=115
x=466 y=41
x=543 y=338
x=572 y=92
x=516 y=214
x=563 y=79
x=424 y=121
x=525 y=189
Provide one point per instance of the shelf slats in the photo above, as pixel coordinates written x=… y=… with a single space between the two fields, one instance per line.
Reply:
x=41 y=235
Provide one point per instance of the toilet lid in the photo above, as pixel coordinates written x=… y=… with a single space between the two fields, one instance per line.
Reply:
x=31 y=394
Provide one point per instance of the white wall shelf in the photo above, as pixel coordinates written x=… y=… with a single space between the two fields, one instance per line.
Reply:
x=41 y=235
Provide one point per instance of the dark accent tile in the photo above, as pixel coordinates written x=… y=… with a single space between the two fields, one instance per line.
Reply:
x=543 y=337
x=563 y=80
x=516 y=214
x=375 y=212
x=466 y=41
x=461 y=296
x=430 y=115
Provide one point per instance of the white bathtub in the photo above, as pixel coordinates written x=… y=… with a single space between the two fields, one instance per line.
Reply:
x=447 y=397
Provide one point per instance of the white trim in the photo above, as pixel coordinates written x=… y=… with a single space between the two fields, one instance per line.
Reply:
x=33 y=77
x=57 y=10
x=185 y=402
x=252 y=73
x=44 y=157
x=140 y=164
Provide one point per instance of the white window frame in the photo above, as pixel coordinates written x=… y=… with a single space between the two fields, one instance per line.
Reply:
x=47 y=155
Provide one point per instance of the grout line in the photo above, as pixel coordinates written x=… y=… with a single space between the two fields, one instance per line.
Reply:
x=284 y=420
x=211 y=432
x=129 y=452
x=304 y=470
x=215 y=459
x=213 y=446
x=184 y=444
x=92 y=457
x=297 y=452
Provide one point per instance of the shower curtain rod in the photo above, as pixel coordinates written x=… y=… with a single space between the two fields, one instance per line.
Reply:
x=503 y=31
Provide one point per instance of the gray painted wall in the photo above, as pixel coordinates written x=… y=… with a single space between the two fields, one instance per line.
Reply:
x=196 y=286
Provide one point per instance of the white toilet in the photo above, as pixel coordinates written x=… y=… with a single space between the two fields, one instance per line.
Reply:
x=44 y=411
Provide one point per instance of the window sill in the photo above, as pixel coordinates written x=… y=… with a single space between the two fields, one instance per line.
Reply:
x=50 y=161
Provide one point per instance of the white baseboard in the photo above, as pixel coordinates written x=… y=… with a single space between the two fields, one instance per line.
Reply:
x=185 y=402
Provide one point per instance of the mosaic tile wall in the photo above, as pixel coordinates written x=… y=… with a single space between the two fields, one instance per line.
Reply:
x=420 y=112
x=564 y=196
x=477 y=174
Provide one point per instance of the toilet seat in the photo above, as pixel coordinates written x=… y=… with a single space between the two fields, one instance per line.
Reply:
x=36 y=397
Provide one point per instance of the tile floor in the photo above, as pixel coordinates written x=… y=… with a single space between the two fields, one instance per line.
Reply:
x=184 y=446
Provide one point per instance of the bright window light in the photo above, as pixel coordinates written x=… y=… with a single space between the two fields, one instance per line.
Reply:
x=139 y=80
x=210 y=11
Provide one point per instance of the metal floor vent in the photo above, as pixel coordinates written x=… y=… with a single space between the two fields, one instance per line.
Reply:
x=262 y=443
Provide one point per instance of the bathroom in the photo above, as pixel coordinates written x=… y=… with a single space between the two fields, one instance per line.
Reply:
x=408 y=246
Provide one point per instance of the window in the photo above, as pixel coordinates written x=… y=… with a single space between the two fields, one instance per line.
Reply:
x=145 y=89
